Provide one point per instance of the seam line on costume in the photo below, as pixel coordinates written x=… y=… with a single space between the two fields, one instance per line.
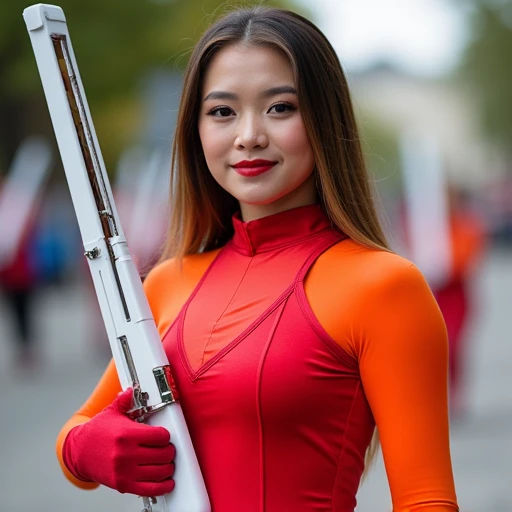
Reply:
x=259 y=405
x=205 y=348
x=343 y=442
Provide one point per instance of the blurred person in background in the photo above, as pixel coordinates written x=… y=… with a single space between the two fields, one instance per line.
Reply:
x=18 y=284
x=18 y=276
x=454 y=292
x=292 y=330
x=43 y=258
x=57 y=245
x=21 y=194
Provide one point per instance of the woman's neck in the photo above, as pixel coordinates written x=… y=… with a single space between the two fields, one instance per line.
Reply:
x=303 y=195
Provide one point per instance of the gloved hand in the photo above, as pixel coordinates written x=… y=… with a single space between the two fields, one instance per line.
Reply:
x=115 y=451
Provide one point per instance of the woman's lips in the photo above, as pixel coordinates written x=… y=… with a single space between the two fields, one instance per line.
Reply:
x=253 y=168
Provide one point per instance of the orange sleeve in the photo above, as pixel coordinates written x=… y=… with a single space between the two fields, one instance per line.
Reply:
x=385 y=316
x=166 y=285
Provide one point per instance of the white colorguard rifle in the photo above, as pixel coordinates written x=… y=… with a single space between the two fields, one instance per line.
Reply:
x=138 y=353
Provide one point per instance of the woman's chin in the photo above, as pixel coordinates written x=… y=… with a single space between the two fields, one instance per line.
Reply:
x=257 y=198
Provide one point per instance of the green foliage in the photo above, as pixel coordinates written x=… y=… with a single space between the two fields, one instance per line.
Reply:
x=487 y=69
x=380 y=147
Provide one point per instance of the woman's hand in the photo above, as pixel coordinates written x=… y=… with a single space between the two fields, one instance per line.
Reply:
x=115 y=451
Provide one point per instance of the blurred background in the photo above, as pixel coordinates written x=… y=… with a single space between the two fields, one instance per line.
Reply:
x=432 y=86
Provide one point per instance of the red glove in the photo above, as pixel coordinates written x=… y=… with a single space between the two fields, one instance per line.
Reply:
x=115 y=451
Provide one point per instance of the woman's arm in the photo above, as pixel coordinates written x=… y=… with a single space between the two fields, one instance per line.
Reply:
x=403 y=360
x=103 y=395
x=167 y=287
x=379 y=308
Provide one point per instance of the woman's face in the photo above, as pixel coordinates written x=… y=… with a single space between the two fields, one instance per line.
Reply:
x=252 y=133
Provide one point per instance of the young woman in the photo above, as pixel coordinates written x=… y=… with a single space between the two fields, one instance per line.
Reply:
x=291 y=329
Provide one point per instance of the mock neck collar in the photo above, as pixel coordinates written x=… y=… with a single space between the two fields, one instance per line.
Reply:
x=278 y=230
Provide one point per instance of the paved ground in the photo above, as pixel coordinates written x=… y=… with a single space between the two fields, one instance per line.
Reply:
x=34 y=408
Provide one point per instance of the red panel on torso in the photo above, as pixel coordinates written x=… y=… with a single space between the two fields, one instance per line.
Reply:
x=274 y=394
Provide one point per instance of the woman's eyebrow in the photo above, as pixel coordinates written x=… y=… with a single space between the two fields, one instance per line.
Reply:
x=282 y=89
x=268 y=93
x=220 y=95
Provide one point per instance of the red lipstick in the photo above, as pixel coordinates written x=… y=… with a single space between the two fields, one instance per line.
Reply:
x=250 y=168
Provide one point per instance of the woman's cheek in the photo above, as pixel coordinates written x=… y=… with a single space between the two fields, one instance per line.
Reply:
x=216 y=142
x=207 y=137
x=292 y=137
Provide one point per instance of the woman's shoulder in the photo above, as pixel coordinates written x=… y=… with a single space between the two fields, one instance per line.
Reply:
x=351 y=288
x=170 y=282
x=350 y=263
x=188 y=267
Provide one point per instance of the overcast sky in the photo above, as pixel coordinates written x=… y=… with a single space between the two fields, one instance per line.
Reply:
x=423 y=36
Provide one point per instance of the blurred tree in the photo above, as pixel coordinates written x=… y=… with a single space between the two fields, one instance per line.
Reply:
x=115 y=43
x=486 y=68
x=380 y=147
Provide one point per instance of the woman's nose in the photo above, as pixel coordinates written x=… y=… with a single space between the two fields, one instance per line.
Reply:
x=251 y=134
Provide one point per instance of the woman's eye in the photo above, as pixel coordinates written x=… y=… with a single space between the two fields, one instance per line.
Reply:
x=220 y=112
x=281 y=108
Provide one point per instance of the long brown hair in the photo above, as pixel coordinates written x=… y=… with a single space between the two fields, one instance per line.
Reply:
x=201 y=209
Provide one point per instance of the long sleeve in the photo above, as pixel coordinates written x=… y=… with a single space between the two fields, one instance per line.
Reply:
x=167 y=287
x=403 y=363
x=379 y=308
x=103 y=395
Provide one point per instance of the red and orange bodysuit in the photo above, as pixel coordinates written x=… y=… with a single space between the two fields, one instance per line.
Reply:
x=288 y=345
